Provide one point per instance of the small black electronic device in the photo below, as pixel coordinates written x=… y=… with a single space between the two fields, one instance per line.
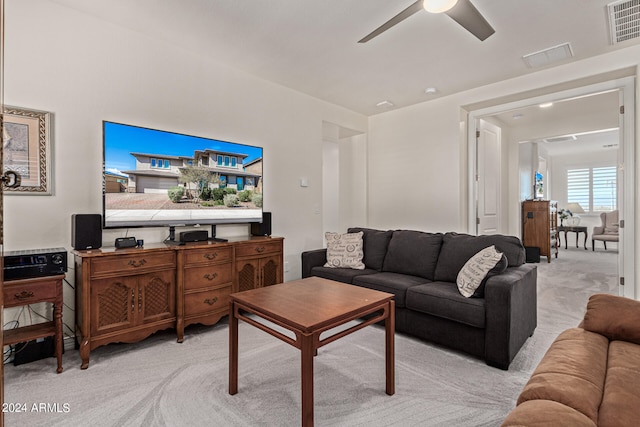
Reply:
x=34 y=263
x=194 y=236
x=126 y=242
x=86 y=231
x=262 y=228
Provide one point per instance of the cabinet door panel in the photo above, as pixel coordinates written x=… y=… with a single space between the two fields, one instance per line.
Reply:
x=271 y=271
x=248 y=274
x=156 y=296
x=112 y=304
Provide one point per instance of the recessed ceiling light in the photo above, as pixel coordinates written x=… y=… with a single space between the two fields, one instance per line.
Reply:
x=430 y=90
x=384 y=104
x=546 y=105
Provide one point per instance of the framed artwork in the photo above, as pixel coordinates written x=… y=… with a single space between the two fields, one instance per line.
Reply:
x=26 y=149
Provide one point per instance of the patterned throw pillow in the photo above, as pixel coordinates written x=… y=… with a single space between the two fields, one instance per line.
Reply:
x=344 y=250
x=475 y=270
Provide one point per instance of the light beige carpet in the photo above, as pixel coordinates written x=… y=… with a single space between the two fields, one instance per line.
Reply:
x=159 y=382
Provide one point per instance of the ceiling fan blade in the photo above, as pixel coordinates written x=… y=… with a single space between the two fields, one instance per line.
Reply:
x=466 y=14
x=415 y=7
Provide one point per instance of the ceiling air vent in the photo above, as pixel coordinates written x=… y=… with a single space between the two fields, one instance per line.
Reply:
x=561 y=138
x=624 y=20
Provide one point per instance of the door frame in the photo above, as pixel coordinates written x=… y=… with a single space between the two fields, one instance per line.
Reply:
x=627 y=87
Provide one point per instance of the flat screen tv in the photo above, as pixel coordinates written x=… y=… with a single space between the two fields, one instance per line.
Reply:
x=157 y=178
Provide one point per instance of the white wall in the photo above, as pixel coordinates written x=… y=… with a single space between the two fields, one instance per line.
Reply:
x=84 y=70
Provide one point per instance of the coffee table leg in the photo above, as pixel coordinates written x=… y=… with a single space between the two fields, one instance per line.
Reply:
x=307 y=353
x=389 y=328
x=233 y=350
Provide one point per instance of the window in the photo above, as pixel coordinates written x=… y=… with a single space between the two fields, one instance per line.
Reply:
x=167 y=164
x=219 y=160
x=233 y=162
x=594 y=188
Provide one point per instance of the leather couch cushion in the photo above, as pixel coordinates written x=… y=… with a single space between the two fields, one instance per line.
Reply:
x=617 y=318
x=376 y=243
x=393 y=283
x=344 y=275
x=546 y=413
x=442 y=299
x=621 y=398
x=414 y=253
x=457 y=249
x=572 y=372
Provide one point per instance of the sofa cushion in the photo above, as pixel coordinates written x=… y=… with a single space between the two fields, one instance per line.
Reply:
x=414 y=253
x=621 y=398
x=458 y=248
x=617 y=318
x=375 y=246
x=442 y=299
x=393 y=283
x=476 y=269
x=344 y=250
x=546 y=413
x=344 y=275
x=572 y=372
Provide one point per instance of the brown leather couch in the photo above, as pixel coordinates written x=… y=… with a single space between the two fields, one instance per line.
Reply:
x=590 y=376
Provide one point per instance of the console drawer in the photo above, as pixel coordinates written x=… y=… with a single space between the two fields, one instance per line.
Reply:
x=130 y=264
x=208 y=255
x=206 y=301
x=258 y=248
x=23 y=294
x=207 y=276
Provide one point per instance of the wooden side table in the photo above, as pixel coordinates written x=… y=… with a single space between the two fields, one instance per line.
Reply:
x=576 y=229
x=30 y=291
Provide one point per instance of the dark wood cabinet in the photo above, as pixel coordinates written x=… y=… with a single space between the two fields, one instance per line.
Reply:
x=125 y=295
x=540 y=226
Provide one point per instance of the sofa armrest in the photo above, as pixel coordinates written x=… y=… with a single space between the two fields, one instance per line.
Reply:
x=511 y=308
x=314 y=258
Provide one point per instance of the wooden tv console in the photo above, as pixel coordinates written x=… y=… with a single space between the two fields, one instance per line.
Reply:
x=125 y=295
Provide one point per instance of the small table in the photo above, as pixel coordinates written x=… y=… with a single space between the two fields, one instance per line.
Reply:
x=309 y=307
x=576 y=229
x=30 y=291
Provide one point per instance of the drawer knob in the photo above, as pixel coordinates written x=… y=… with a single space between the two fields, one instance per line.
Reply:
x=211 y=256
x=24 y=295
x=211 y=301
x=260 y=249
x=136 y=264
x=210 y=276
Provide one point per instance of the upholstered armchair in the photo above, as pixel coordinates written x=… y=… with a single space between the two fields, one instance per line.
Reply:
x=608 y=231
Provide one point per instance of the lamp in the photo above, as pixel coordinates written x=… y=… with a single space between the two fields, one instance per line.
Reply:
x=575 y=208
x=438 y=6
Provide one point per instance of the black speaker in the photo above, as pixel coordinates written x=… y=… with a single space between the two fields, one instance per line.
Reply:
x=262 y=228
x=86 y=231
x=532 y=254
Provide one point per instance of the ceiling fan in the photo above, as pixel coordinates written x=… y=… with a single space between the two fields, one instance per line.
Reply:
x=461 y=11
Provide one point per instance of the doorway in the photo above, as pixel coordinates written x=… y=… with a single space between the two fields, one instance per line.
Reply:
x=623 y=89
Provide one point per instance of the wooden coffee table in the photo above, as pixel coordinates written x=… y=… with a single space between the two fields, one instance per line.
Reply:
x=309 y=307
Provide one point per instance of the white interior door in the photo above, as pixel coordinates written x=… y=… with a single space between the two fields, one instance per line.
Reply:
x=489 y=164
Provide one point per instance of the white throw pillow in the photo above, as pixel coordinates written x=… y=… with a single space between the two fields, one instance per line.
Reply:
x=475 y=270
x=345 y=250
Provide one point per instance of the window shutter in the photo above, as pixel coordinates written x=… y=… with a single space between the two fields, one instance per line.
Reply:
x=578 y=187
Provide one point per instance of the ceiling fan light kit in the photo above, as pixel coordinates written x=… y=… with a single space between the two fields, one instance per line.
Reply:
x=438 y=6
x=461 y=11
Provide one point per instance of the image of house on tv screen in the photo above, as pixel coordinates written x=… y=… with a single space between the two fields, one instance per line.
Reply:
x=172 y=185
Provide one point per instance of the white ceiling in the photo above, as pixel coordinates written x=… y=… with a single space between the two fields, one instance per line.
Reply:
x=311 y=45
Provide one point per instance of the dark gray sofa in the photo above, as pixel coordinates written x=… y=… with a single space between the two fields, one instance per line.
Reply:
x=420 y=269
